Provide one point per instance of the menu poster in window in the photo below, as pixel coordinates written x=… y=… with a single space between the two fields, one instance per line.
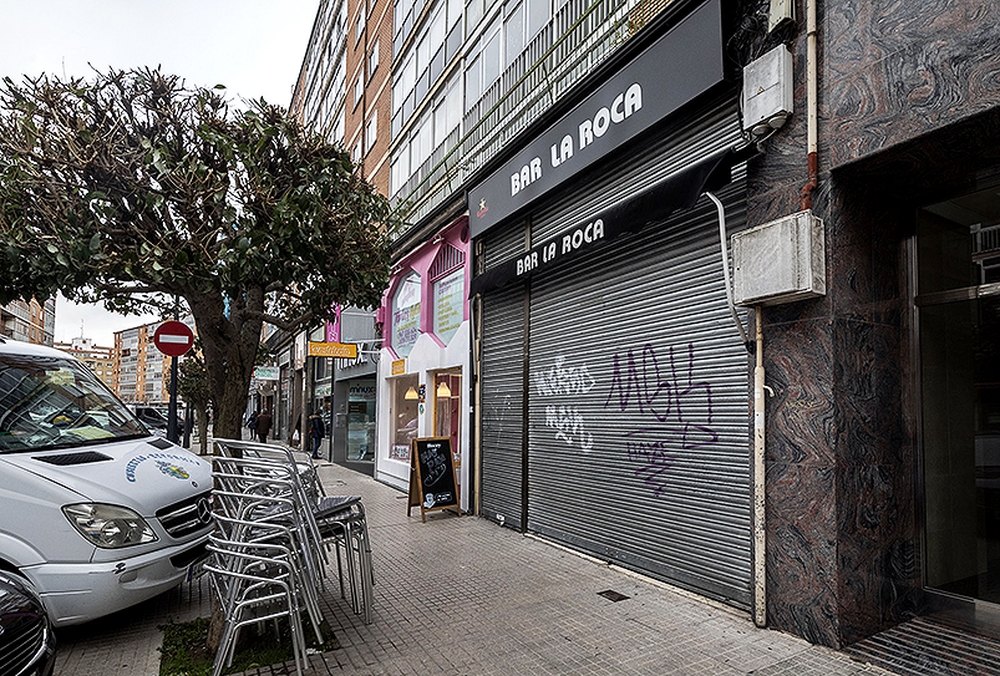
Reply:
x=433 y=485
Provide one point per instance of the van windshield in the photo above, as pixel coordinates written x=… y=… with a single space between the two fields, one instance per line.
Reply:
x=49 y=402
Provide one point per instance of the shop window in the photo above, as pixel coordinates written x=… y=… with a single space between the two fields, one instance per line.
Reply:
x=447 y=276
x=406 y=315
x=405 y=399
x=448 y=410
x=361 y=407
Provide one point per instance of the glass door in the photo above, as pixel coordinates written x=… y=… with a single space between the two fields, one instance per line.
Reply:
x=958 y=301
x=448 y=412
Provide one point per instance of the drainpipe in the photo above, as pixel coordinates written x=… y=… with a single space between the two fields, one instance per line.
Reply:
x=759 y=524
x=759 y=529
x=805 y=201
x=725 y=268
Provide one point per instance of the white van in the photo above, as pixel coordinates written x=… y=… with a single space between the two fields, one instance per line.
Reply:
x=96 y=511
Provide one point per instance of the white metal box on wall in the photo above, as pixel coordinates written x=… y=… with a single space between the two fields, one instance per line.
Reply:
x=767 y=91
x=780 y=262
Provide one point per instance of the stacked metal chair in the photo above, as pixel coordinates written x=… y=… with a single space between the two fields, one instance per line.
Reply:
x=339 y=521
x=266 y=563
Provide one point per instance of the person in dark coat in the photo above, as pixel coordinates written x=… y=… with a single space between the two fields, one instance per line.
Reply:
x=252 y=424
x=263 y=426
x=317 y=430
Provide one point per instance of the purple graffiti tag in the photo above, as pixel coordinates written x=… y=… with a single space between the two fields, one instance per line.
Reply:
x=681 y=406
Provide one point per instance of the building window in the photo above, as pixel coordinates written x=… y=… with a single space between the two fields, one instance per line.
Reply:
x=370 y=132
x=449 y=304
x=359 y=25
x=373 y=61
x=406 y=315
x=359 y=90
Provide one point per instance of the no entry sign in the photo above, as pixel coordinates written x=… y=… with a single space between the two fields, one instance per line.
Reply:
x=173 y=338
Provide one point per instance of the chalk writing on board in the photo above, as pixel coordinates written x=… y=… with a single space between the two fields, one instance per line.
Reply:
x=434 y=463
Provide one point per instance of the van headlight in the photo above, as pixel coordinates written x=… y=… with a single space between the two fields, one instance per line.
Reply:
x=109 y=526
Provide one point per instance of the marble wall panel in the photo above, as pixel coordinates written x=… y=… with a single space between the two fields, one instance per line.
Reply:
x=893 y=71
x=801 y=551
x=800 y=415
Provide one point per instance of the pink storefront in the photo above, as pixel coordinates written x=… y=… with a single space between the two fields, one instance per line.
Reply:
x=424 y=365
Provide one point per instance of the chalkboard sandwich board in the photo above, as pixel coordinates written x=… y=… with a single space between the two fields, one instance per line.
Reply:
x=433 y=485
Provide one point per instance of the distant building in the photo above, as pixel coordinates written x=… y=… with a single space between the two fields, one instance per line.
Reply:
x=32 y=322
x=98 y=359
x=141 y=373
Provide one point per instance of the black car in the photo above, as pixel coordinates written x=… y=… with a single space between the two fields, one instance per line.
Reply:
x=27 y=644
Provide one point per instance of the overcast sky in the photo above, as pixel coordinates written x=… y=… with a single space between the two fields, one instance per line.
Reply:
x=253 y=47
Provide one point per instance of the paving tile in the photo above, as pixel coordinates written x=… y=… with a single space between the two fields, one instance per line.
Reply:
x=460 y=595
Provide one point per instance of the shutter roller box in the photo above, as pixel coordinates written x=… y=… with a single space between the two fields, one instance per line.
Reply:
x=780 y=262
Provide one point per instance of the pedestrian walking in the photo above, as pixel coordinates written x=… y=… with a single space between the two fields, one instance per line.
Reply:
x=252 y=423
x=263 y=426
x=317 y=430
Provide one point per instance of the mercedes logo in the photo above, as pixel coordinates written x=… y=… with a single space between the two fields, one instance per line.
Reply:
x=204 y=507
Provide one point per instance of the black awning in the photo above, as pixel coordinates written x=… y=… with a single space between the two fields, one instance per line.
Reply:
x=656 y=203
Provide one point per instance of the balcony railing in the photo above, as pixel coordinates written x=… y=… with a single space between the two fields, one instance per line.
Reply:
x=543 y=72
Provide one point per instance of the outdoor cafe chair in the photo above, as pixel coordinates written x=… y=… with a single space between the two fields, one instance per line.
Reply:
x=255 y=582
x=339 y=520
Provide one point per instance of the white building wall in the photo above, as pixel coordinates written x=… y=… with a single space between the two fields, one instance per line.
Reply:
x=426 y=358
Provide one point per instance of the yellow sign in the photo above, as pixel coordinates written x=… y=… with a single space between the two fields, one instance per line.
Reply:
x=341 y=350
x=399 y=367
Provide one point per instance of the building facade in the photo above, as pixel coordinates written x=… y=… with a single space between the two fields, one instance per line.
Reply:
x=590 y=162
x=98 y=359
x=882 y=432
x=31 y=322
x=424 y=367
x=140 y=372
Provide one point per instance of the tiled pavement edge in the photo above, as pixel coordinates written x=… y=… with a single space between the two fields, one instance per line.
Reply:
x=459 y=595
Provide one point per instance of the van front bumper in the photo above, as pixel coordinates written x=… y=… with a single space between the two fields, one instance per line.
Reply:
x=74 y=593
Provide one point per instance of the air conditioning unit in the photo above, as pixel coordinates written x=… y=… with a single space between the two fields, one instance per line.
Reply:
x=780 y=262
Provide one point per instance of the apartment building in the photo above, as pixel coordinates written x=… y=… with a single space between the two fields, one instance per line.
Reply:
x=140 y=372
x=31 y=322
x=569 y=175
x=98 y=359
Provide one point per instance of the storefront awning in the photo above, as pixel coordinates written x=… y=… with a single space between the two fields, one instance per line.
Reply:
x=656 y=203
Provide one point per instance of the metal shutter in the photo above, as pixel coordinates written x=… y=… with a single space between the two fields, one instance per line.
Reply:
x=502 y=407
x=638 y=445
x=647 y=470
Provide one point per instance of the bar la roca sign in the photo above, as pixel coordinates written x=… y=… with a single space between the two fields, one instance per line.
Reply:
x=680 y=65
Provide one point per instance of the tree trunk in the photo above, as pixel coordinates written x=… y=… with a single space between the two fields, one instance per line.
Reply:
x=230 y=346
x=229 y=341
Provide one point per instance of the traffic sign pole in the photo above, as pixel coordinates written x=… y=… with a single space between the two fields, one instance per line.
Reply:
x=173 y=338
x=172 y=407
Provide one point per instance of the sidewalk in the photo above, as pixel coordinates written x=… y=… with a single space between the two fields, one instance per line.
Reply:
x=462 y=596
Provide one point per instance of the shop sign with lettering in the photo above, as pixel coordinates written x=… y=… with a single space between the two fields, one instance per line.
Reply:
x=685 y=62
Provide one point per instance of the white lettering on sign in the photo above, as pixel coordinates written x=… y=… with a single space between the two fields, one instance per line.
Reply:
x=587 y=234
x=591 y=233
x=528 y=263
x=529 y=173
x=564 y=152
x=624 y=105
